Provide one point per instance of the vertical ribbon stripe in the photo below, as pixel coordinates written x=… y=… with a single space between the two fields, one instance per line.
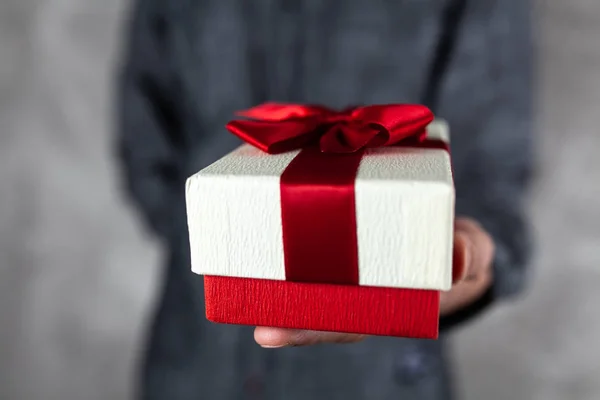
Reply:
x=319 y=217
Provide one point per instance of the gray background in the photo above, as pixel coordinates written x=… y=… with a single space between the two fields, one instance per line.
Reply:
x=78 y=275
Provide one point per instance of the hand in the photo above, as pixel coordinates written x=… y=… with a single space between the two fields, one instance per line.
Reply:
x=472 y=275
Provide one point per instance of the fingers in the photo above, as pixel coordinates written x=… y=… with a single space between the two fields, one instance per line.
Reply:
x=279 y=337
x=472 y=274
x=462 y=256
x=474 y=247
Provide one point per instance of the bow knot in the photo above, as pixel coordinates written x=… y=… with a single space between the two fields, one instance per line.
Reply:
x=276 y=128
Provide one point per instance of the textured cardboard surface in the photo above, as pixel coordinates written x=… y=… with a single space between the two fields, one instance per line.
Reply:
x=333 y=308
x=404 y=211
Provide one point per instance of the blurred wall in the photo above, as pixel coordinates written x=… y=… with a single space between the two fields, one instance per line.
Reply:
x=78 y=275
x=546 y=347
x=76 y=272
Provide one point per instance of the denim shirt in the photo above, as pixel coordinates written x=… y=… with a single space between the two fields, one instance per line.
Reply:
x=189 y=64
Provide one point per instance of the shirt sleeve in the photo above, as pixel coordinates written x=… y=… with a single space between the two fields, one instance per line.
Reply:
x=486 y=96
x=150 y=139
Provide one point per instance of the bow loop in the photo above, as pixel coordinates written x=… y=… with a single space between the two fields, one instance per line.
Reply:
x=276 y=128
x=284 y=112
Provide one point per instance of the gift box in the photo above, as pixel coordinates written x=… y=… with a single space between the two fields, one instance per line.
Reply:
x=327 y=220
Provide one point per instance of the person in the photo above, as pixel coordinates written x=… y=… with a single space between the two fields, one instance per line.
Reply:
x=188 y=65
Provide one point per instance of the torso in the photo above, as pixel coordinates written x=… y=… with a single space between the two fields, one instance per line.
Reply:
x=336 y=53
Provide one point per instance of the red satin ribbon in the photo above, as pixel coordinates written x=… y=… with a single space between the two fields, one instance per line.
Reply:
x=277 y=128
x=317 y=188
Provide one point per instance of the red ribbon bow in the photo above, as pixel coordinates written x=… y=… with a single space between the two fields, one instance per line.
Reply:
x=276 y=128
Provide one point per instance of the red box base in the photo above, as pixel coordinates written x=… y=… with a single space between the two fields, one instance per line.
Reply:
x=378 y=311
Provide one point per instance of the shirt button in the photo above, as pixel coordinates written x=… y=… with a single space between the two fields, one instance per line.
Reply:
x=254 y=385
x=411 y=368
